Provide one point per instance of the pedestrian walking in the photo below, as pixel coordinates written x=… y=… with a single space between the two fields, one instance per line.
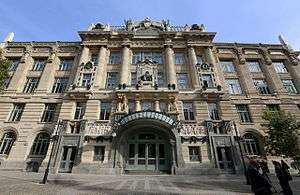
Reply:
x=283 y=177
x=259 y=184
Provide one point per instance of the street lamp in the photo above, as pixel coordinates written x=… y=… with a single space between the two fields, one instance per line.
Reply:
x=241 y=152
x=54 y=137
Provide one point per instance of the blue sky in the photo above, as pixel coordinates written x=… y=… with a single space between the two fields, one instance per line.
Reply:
x=251 y=21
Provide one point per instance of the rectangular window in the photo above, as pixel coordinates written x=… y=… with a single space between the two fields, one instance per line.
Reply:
x=114 y=58
x=261 y=86
x=139 y=56
x=13 y=65
x=199 y=60
x=244 y=113
x=131 y=107
x=39 y=64
x=86 y=80
x=31 y=84
x=179 y=58
x=194 y=153
x=227 y=65
x=99 y=152
x=234 y=86
x=188 y=111
x=105 y=110
x=112 y=80
x=49 y=112
x=80 y=110
x=17 y=112
x=65 y=64
x=182 y=80
x=160 y=79
x=146 y=105
x=6 y=82
x=280 y=67
x=94 y=58
x=133 y=79
x=207 y=80
x=253 y=66
x=289 y=86
x=163 y=106
x=60 y=84
x=213 y=111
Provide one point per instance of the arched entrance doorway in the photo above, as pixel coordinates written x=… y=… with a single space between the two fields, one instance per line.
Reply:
x=145 y=142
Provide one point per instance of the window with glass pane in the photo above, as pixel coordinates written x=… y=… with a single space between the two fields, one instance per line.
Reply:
x=207 y=80
x=244 y=113
x=136 y=57
x=40 y=144
x=131 y=107
x=39 y=64
x=115 y=58
x=94 y=58
x=182 y=80
x=17 y=112
x=65 y=64
x=163 y=106
x=49 y=112
x=146 y=105
x=105 y=110
x=139 y=56
x=7 y=142
x=160 y=79
x=261 y=86
x=280 y=67
x=289 y=86
x=112 y=80
x=60 y=84
x=86 y=80
x=80 y=110
x=251 y=145
x=227 y=65
x=179 y=58
x=99 y=152
x=199 y=59
x=13 y=65
x=253 y=66
x=213 y=111
x=133 y=79
x=188 y=111
x=157 y=58
x=194 y=153
x=273 y=107
x=31 y=84
x=234 y=86
x=6 y=82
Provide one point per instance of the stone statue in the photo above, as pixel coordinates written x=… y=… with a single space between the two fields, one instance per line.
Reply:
x=146 y=76
x=122 y=103
x=128 y=24
x=172 y=104
x=166 y=24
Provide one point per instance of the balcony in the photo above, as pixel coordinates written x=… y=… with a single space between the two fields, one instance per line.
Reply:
x=219 y=127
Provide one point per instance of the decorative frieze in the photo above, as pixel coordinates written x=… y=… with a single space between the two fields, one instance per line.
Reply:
x=97 y=128
x=192 y=130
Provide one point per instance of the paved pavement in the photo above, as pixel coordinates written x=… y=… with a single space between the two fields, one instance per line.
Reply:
x=12 y=182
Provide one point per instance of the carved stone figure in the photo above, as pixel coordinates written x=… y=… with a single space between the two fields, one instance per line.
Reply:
x=146 y=77
x=172 y=107
x=122 y=103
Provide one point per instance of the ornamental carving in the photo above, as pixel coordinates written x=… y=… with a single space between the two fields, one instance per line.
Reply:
x=122 y=103
x=94 y=128
x=146 y=74
x=192 y=130
x=172 y=106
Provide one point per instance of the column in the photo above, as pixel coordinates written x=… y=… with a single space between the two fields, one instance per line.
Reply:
x=125 y=65
x=173 y=150
x=138 y=105
x=210 y=58
x=19 y=77
x=193 y=71
x=170 y=65
x=47 y=77
x=101 y=68
x=156 y=106
x=294 y=70
x=84 y=58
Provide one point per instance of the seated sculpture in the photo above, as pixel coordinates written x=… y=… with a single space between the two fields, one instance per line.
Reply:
x=146 y=77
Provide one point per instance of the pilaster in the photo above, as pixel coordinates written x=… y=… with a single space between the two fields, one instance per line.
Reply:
x=193 y=71
x=170 y=65
x=124 y=78
x=101 y=68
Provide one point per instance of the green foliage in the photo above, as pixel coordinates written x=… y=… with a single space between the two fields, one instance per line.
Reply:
x=4 y=65
x=282 y=133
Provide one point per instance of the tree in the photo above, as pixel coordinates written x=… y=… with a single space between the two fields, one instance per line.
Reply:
x=4 y=65
x=282 y=133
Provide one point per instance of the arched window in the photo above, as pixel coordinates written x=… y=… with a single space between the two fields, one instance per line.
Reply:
x=251 y=145
x=6 y=142
x=40 y=144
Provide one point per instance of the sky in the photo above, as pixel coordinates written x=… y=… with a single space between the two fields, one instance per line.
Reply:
x=243 y=21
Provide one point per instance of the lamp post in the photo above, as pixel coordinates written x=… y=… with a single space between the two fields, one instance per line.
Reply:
x=241 y=152
x=51 y=154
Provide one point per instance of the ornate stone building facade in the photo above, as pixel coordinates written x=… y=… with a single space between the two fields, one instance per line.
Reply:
x=145 y=96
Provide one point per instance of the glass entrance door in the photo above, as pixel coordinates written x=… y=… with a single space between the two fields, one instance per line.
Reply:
x=147 y=154
x=67 y=160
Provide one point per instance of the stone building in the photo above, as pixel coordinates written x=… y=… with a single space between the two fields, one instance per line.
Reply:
x=145 y=96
